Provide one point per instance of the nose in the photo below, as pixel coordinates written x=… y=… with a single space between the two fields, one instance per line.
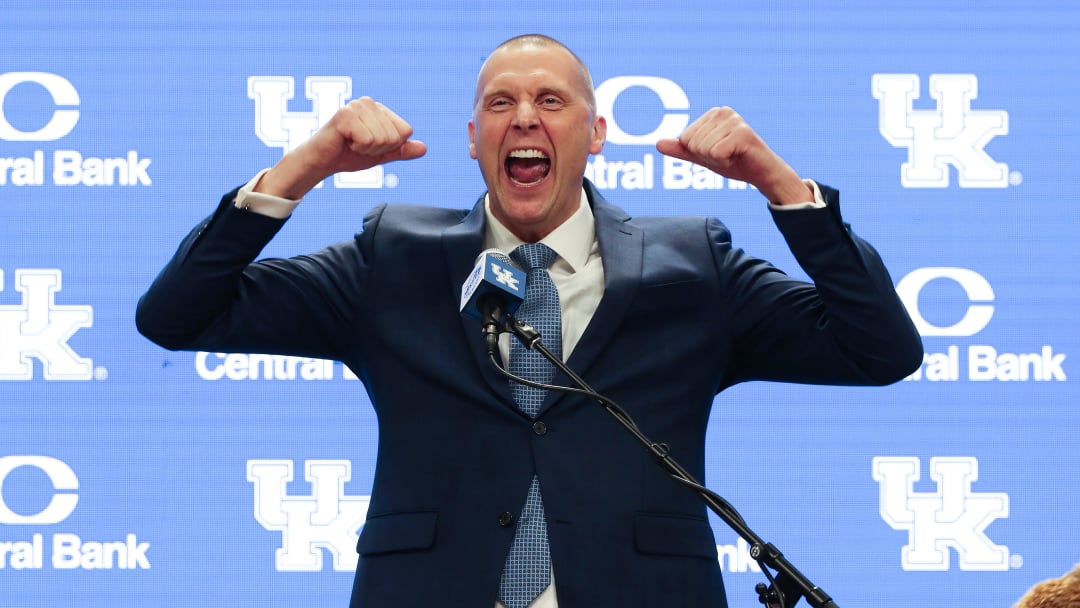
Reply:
x=525 y=116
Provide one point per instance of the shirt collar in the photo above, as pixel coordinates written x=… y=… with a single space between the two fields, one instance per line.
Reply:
x=572 y=240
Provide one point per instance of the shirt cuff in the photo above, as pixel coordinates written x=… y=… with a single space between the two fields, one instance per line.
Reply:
x=263 y=204
x=817 y=203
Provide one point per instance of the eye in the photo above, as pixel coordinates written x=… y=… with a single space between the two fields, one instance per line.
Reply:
x=499 y=103
x=550 y=100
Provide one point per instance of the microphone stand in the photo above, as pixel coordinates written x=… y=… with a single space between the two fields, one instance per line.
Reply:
x=788 y=586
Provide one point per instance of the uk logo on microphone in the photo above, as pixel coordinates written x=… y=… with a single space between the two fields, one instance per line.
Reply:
x=953 y=516
x=493 y=273
x=505 y=276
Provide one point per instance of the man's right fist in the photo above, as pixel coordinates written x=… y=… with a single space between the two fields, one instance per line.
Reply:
x=362 y=134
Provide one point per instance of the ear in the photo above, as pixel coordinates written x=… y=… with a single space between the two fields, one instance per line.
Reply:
x=599 y=135
x=472 y=139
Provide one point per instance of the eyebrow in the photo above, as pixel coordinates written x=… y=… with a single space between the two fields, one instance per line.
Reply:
x=546 y=90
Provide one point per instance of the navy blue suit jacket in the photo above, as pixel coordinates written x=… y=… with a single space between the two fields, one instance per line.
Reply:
x=684 y=315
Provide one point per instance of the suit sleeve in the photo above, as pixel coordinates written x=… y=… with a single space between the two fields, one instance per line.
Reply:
x=848 y=327
x=213 y=296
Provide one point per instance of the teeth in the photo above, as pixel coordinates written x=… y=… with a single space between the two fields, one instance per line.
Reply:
x=527 y=154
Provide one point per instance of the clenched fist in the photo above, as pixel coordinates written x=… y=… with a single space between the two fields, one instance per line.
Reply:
x=362 y=134
x=723 y=142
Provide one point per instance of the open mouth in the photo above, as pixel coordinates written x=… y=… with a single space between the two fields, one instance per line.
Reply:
x=527 y=167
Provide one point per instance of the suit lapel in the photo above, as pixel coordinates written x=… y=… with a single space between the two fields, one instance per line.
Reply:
x=622 y=251
x=461 y=244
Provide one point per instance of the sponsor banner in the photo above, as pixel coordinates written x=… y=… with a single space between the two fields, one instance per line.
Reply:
x=53 y=166
x=28 y=541
x=974 y=361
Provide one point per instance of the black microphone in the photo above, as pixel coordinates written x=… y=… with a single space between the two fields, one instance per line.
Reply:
x=494 y=289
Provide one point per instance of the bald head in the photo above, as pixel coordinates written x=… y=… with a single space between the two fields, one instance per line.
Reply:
x=540 y=41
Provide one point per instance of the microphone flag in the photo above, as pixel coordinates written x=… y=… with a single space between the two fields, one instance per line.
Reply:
x=494 y=274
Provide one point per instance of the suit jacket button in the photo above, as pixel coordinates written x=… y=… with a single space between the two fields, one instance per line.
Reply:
x=505 y=518
x=539 y=428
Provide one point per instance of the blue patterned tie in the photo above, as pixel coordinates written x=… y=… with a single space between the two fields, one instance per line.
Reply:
x=528 y=566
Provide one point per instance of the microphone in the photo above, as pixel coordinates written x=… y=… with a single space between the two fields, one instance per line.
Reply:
x=493 y=290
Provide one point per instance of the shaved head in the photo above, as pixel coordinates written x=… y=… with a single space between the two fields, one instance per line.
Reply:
x=533 y=127
x=540 y=41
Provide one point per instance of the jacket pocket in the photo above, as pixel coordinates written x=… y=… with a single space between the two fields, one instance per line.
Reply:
x=393 y=532
x=671 y=534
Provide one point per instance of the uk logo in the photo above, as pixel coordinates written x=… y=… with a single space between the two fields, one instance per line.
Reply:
x=277 y=127
x=325 y=519
x=953 y=516
x=505 y=276
x=952 y=134
x=39 y=328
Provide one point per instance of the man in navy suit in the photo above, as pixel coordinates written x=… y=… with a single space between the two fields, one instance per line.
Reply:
x=660 y=314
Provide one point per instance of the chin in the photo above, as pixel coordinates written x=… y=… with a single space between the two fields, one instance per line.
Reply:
x=530 y=200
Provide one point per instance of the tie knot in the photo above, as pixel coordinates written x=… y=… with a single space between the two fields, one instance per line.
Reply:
x=533 y=255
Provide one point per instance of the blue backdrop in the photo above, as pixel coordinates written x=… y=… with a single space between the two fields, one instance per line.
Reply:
x=132 y=476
